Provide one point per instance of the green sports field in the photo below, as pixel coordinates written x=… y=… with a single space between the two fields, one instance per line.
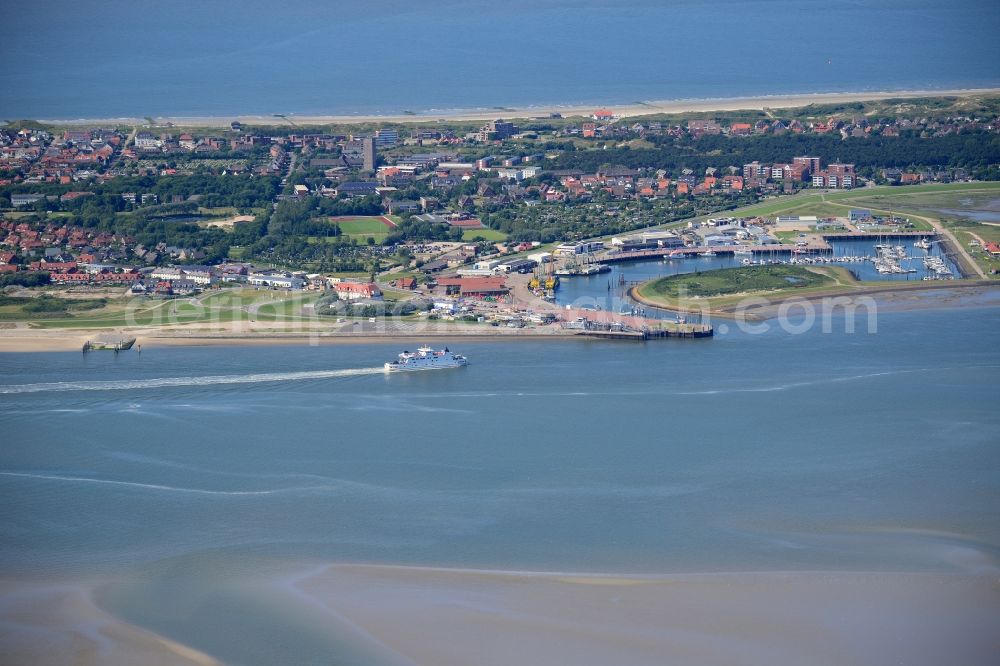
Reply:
x=484 y=234
x=362 y=227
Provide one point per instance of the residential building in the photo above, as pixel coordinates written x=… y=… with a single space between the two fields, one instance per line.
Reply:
x=201 y=275
x=356 y=189
x=275 y=279
x=352 y=291
x=808 y=165
x=386 y=137
x=397 y=207
x=147 y=141
x=837 y=176
x=368 y=154
x=18 y=200
x=704 y=127
x=497 y=130
x=756 y=170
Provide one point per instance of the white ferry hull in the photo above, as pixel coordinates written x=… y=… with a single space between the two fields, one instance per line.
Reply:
x=426 y=359
x=392 y=367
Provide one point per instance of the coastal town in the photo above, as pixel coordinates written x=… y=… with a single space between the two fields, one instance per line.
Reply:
x=476 y=224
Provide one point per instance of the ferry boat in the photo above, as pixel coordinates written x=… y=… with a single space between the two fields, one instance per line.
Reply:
x=426 y=358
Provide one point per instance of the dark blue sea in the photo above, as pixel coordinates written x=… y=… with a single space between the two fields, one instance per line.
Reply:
x=113 y=58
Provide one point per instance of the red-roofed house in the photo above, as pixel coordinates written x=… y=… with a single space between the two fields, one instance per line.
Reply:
x=474 y=286
x=603 y=115
x=741 y=129
x=54 y=266
x=6 y=257
x=733 y=182
x=993 y=249
x=351 y=291
x=61 y=278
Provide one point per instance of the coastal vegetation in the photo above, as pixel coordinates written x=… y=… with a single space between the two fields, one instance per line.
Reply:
x=977 y=151
x=47 y=306
x=745 y=280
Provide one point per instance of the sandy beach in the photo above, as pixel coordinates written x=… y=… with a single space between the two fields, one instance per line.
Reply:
x=439 y=617
x=57 y=623
x=55 y=340
x=626 y=110
x=21 y=337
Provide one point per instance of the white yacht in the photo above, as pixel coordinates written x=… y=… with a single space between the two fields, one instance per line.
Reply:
x=426 y=358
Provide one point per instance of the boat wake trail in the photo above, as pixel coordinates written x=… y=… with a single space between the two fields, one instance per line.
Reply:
x=131 y=484
x=138 y=384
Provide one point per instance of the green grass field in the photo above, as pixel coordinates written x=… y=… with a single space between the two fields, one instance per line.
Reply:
x=753 y=279
x=824 y=281
x=362 y=226
x=214 y=308
x=884 y=198
x=483 y=234
x=47 y=307
x=219 y=211
x=288 y=307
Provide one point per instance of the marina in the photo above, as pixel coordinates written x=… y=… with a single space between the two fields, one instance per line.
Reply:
x=855 y=252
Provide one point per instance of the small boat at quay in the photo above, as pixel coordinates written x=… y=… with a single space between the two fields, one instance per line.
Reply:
x=109 y=343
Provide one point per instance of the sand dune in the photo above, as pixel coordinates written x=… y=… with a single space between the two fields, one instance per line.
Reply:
x=621 y=110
